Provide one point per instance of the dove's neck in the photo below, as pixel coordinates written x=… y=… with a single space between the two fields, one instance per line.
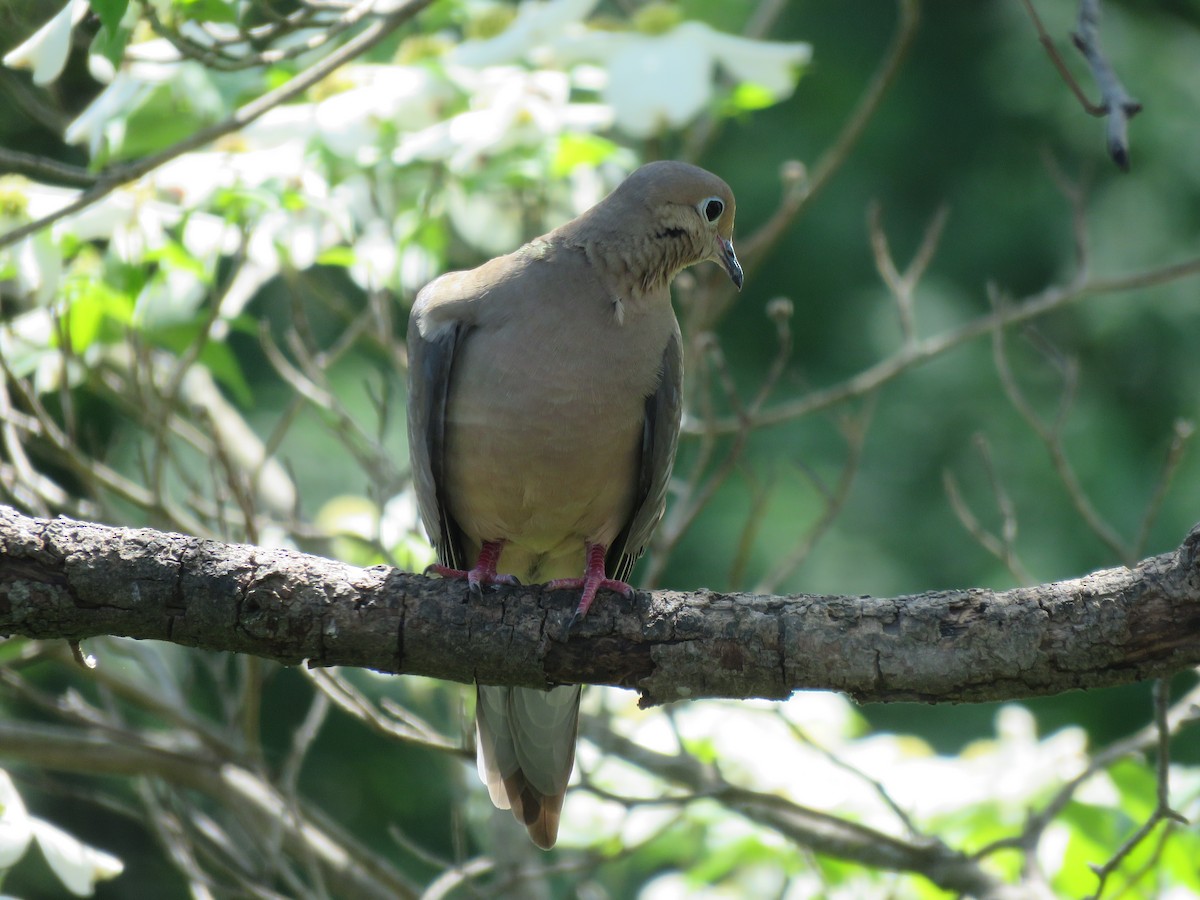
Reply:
x=639 y=256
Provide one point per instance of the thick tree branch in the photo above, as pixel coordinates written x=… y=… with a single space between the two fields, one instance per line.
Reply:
x=65 y=579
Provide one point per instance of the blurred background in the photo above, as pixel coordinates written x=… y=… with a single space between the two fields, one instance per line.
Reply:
x=222 y=342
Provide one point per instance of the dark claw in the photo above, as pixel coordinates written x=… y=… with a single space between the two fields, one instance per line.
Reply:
x=575 y=619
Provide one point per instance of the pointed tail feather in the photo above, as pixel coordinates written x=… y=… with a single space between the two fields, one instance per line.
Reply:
x=526 y=751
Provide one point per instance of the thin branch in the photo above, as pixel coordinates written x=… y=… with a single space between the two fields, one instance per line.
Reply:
x=854 y=429
x=1051 y=438
x=75 y=750
x=113 y=178
x=1183 y=713
x=1181 y=434
x=811 y=828
x=1003 y=545
x=793 y=202
x=902 y=286
x=43 y=168
x=216 y=56
x=922 y=351
x=1115 y=101
x=400 y=725
x=1162 y=810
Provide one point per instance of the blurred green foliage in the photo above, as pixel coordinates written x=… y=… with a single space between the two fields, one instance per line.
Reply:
x=977 y=121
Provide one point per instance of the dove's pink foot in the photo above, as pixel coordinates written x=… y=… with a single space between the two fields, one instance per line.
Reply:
x=594 y=579
x=484 y=572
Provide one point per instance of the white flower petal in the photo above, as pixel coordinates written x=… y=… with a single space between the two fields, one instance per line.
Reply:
x=657 y=83
x=375 y=257
x=77 y=865
x=103 y=122
x=488 y=224
x=15 y=823
x=769 y=64
x=536 y=23
x=46 y=51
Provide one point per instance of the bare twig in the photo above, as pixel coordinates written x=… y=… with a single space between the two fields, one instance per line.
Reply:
x=811 y=828
x=1162 y=810
x=902 y=286
x=401 y=724
x=877 y=787
x=854 y=429
x=1115 y=102
x=1051 y=437
x=1181 y=434
x=922 y=351
x=1003 y=545
x=113 y=178
x=1183 y=713
x=74 y=750
x=793 y=202
x=44 y=168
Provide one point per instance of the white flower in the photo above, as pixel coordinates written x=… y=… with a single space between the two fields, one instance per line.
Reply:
x=194 y=177
x=536 y=24
x=488 y=221
x=15 y=828
x=375 y=257
x=39 y=266
x=768 y=64
x=652 y=82
x=102 y=124
x=417 y=267
x=665 y=81
x=77 y=865
x=512 y=108
x=658 y=83
x=46 y=51
x=408 y=97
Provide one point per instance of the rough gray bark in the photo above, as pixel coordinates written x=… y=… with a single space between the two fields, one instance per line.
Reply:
x=66 y=579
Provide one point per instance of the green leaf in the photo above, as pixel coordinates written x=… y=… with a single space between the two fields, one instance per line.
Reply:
x=170 y=112
x=221 y=361
x=579 y=150
x=1179 y=858
x=337 y=256
x=91 y=306
x=206 y=11
x=174 y=255
x=12 y=648
x=1138 y=786
x=747 y=97
x=111 y=43
x=110 y=12
x=214 y=356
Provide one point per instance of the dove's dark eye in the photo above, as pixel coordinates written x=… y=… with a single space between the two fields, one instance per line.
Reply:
x=712 y=208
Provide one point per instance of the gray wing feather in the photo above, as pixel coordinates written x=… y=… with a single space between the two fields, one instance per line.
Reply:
x=429 y=366
x=660 y=438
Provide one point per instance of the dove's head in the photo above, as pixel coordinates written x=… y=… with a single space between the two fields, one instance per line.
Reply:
x=665 y=217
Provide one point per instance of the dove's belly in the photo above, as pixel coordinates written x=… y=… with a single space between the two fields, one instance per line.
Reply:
x=551 y=469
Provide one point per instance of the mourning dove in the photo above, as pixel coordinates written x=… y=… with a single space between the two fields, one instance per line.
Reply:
x=544 y=405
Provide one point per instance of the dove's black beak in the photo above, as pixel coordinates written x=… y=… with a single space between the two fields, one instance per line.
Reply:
x=729 y=261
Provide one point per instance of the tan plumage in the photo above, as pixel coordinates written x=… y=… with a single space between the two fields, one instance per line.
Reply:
x=544 y=403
